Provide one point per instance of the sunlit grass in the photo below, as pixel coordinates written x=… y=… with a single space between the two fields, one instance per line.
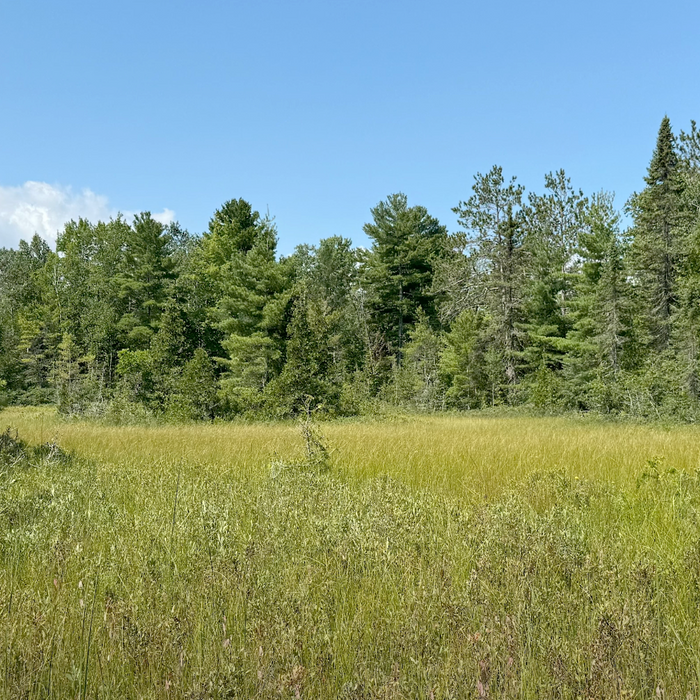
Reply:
x=441 y=557
x=456 y=454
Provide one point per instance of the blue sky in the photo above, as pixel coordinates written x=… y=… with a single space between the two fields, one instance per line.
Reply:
x=316 y=111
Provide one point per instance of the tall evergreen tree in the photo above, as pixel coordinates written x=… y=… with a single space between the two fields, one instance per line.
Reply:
x=398 y=272
x=687 y=320
x=145 y=279
x=252 y=300
x=655 y=247
x=493 y=235
x=602 y=341
x=554 y=221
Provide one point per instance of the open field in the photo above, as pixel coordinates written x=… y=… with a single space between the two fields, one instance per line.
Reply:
x=464 y=455
x=447 y=557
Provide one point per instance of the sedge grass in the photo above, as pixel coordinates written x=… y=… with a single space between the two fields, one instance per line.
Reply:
x=451 y=454
x=204 y=562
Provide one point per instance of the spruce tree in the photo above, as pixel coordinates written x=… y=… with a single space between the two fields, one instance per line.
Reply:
x=655 y=247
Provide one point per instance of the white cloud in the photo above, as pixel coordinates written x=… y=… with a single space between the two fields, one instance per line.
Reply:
x=37 y=207
x=167 y=216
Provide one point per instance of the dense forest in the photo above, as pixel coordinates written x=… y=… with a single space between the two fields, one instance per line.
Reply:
x=540 y=300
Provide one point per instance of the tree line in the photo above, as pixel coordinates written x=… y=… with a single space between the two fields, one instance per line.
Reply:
x=539 y=300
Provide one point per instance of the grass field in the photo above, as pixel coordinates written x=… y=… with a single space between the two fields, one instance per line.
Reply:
x=437 y=557
x=458 y=455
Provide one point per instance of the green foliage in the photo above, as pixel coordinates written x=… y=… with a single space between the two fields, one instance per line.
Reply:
x=234 y=229
x=252 y=309
x=75 y=379
x=253 y=364
x=655 y=251
x=307 y=372
x=143 y=283
x=537 y=300
x=398 y=271
x=463 y=365
x=195 y=395
x=136 y=371
x=493 y=236
x=555 y=224
x=416 y=382
x=602 y=343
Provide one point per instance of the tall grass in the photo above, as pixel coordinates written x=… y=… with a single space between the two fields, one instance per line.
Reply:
x=462 y=454
x=453 y=558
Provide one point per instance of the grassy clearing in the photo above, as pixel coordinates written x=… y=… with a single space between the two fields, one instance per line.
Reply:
x=457 y=455
x=178 y=562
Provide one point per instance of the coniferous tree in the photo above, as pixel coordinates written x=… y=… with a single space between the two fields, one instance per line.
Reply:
x=543 y=303
x=602 y=342
x=27 y=328
x=553 y=223
x=253 y=302
x=463 y=365
x=687 y=321
x=145 y=279
x=416 y=382
x=655 y=250
x=306 y=378
x=331 y=272
x=398 y=271
x=493 y=237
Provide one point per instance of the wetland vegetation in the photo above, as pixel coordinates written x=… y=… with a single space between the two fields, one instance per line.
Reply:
x=423 y=557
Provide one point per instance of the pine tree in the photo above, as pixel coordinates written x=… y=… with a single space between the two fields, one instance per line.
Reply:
x=602 y=342
x=144 y=282
x=553 y=223
x=398 y=272
x=250 y=281
x=234 y=228
x=687 y=320
x=492 y=220
x=252 y=301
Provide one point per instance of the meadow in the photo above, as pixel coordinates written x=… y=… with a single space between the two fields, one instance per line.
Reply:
x=418 y=557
